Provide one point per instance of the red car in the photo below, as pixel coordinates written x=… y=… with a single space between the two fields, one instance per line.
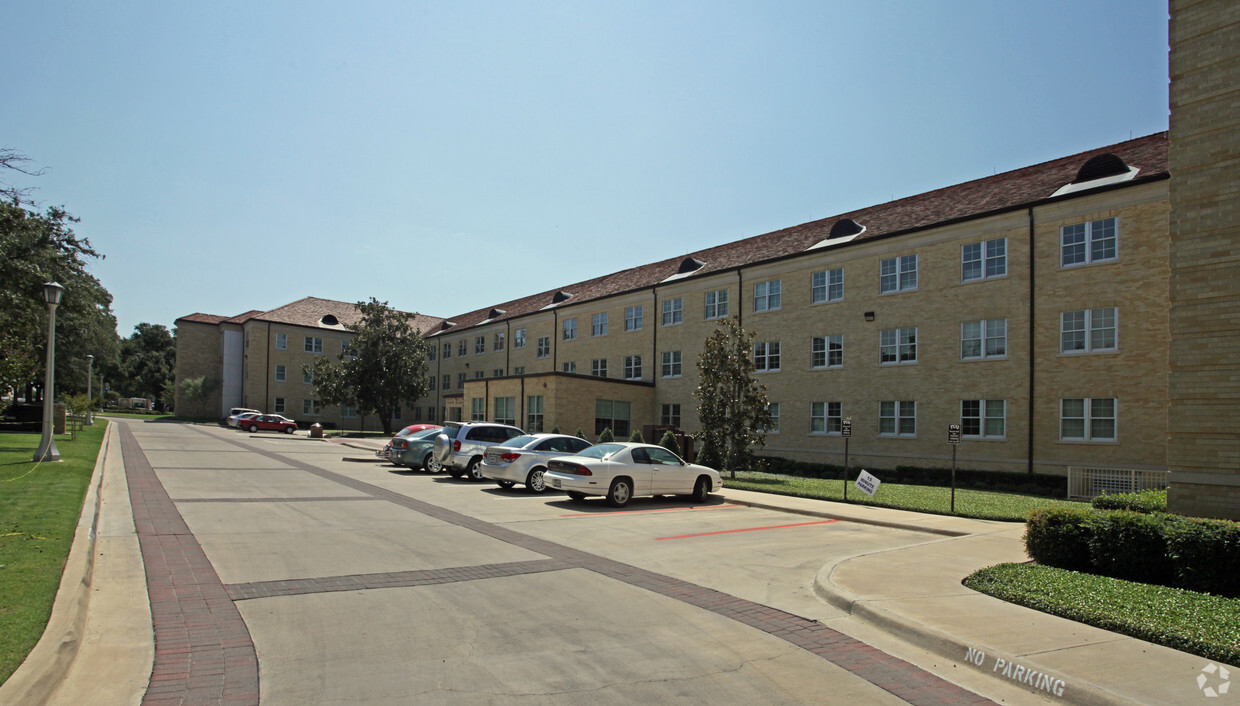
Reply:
x=269 y=422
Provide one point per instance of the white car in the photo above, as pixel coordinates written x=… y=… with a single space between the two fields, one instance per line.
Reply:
x=523 y=459
x=235 y=420
x=622 y=471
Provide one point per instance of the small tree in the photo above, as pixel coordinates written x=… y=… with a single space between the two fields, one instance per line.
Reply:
x=707 y=455
x=731 y=403
x=197 y=390
x=606 y=436
x=580 y=434
x=636 y=437
x=555 y=429
x=669 y=442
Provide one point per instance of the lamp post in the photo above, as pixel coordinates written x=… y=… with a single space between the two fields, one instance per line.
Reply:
x=52 y=293
x=90 y=364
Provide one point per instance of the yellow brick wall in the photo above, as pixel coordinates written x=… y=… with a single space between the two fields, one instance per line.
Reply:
x=198 y=355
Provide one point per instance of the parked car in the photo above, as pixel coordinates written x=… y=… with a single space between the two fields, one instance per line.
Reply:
x=459 y=447
x=234 y=420
x=523 y=459
x=269 y=422
x=622 y=471
x=416 y=450
x=386 y=451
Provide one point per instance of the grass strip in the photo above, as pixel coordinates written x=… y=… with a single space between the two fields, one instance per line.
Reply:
x=1197 y=623
x=978 y=504
x=39 y=509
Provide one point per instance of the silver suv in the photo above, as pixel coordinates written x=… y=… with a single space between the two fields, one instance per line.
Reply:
x=461 y=445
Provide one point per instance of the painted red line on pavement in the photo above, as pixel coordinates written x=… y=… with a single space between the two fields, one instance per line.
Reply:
x=639 y=512
x=749 y=529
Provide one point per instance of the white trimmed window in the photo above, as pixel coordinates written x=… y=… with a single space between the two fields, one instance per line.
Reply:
x=430 y=383
x=478 y=374
x=348 y=411
x=898 y=274
x=1088 y=330
x=447 y=382
x=1087 y=419
x=519 y=370
x=825 y=417
x=480 y=345
x=460 y=381
x=669 y=414
x=598 y=324
x=773 y=410
x=671 y=364
x=499 y=341
x=766 y=356
x=506 y=410
x=633 y=318
x=431 y=352
x=447 y=351
x=462 y=348
x=897 y=346
x=544 y=346
x=717 y=304
x=614 y=415
x=497 y=373
x=827 y=286
x=518 y=338
x=281 y=341
x=307 y=376
x=826 y=352
x=281 y=373
x=598 y=367
x=897 y=418
x=983 y=339
x=313 y=344
x=534 y=413
x=346 y=351
x=632 y=367
x=983 y=260
x=570 y=329
x=766 y=295
x=1085 y=243
x=278 y=405
x=570 y=367
x=311 y=408
x=673 y=311
x=478 y=409
x=986 y=419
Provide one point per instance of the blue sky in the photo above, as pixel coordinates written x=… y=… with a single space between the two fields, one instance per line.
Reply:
x=446 y=156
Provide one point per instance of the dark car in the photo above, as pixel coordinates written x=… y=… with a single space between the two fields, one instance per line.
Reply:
x=269 y=422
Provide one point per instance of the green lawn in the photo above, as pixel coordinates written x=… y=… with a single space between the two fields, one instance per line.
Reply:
x=39 y=509
x=979 y=504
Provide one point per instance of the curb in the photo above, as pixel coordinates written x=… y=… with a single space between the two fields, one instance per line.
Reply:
x=845 y=518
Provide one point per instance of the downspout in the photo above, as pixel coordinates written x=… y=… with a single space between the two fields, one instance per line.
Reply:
x=507 y=346
x=740 y=298
x=268 y=372
x=439 y=410
x=522 y=407
x=1032 y=345
x=655 y=320
x=555 y=340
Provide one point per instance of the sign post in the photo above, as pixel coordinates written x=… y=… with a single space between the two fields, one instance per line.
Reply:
x=846 y=432
x=953 y=438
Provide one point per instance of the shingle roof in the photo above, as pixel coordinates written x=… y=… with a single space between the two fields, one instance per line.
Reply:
x=973 y=199
x=309 y=312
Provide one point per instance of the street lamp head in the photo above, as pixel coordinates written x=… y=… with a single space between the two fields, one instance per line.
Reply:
x=53 y=292
x=89 y=359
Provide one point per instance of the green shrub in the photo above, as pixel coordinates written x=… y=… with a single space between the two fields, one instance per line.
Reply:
x=636 y=437
x=1040 y=484
x=670 y=443
x=606 y=436
x=1142 y=501
x=1060 y=538
x=1205 y=555
x=1131 y=546
x=708 y=456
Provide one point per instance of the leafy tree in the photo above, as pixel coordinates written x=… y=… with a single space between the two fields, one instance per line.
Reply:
x=731 y=403
x=669 y=442
x=197 y=390
x=148 y=362
x=382 y=367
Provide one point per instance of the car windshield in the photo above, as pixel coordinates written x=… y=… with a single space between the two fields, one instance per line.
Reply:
x=426 y=433
x=601 y=450
x=517 y=442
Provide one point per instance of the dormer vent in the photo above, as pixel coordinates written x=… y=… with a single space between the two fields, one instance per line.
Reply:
x=560 y=296
x=843 y=228
x=329 y=320
x=1099 y=167
x=496 y=313
x=689 y=265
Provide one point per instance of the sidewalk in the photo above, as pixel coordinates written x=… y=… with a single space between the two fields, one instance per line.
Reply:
x=98 y=646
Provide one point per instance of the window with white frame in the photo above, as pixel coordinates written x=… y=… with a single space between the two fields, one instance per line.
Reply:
x=307 y=375
x=447 y=382
x=673 y=311
x=460 y=381
x=480 y=345
x=983 y=260
x=518 y=338
x=614 y=415
x=766 y=356
x=633 y=318
x=278 y=405
x=570 y=366
x=506 y=410
x=766 y=295
x=772 y=427
x=570 y=329
x=499 y=341
x=669 y=414
x=544 y=346
x=717 y=304
x=478 y=409
x=447 y=351
x=430 y=383
x=1085 y=243
x=431 y=352
x=497 y=373
x=534 y=406
x=478 y=374
x=898 y=274
x=897 y=418
x=1088 y=330
x=313 y=344
x=281 y=373
x=281 y=341
x=983 y=339
x=311 y=408
x=519 y=370
x=827 y=351
x=671 y=364
x=897 y=346
x=827 y=286
x=346 y=350
x=598 y=367
x=632 y=367
x=348 y=411
x=417 y=414
x=825 y=417
x=986 y=419
x=1087 y=419
x=462 y=348
x=598 y=324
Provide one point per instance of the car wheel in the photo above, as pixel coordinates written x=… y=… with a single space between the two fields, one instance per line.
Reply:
x=430 y=465
x=253 y=428
x=620 y=493
x=505 y=484
x=701 y=489
x=289 y=430
x=474 y=469
x=575 y=496
x=535 y=482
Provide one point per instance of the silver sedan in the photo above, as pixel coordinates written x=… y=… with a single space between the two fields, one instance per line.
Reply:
x=523 y=459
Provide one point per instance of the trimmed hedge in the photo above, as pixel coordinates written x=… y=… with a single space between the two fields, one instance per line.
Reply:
x=1040 y=484
x=1141 y=501
x=1195 y=554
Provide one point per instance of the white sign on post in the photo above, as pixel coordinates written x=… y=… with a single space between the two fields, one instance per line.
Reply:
x=867 y=483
